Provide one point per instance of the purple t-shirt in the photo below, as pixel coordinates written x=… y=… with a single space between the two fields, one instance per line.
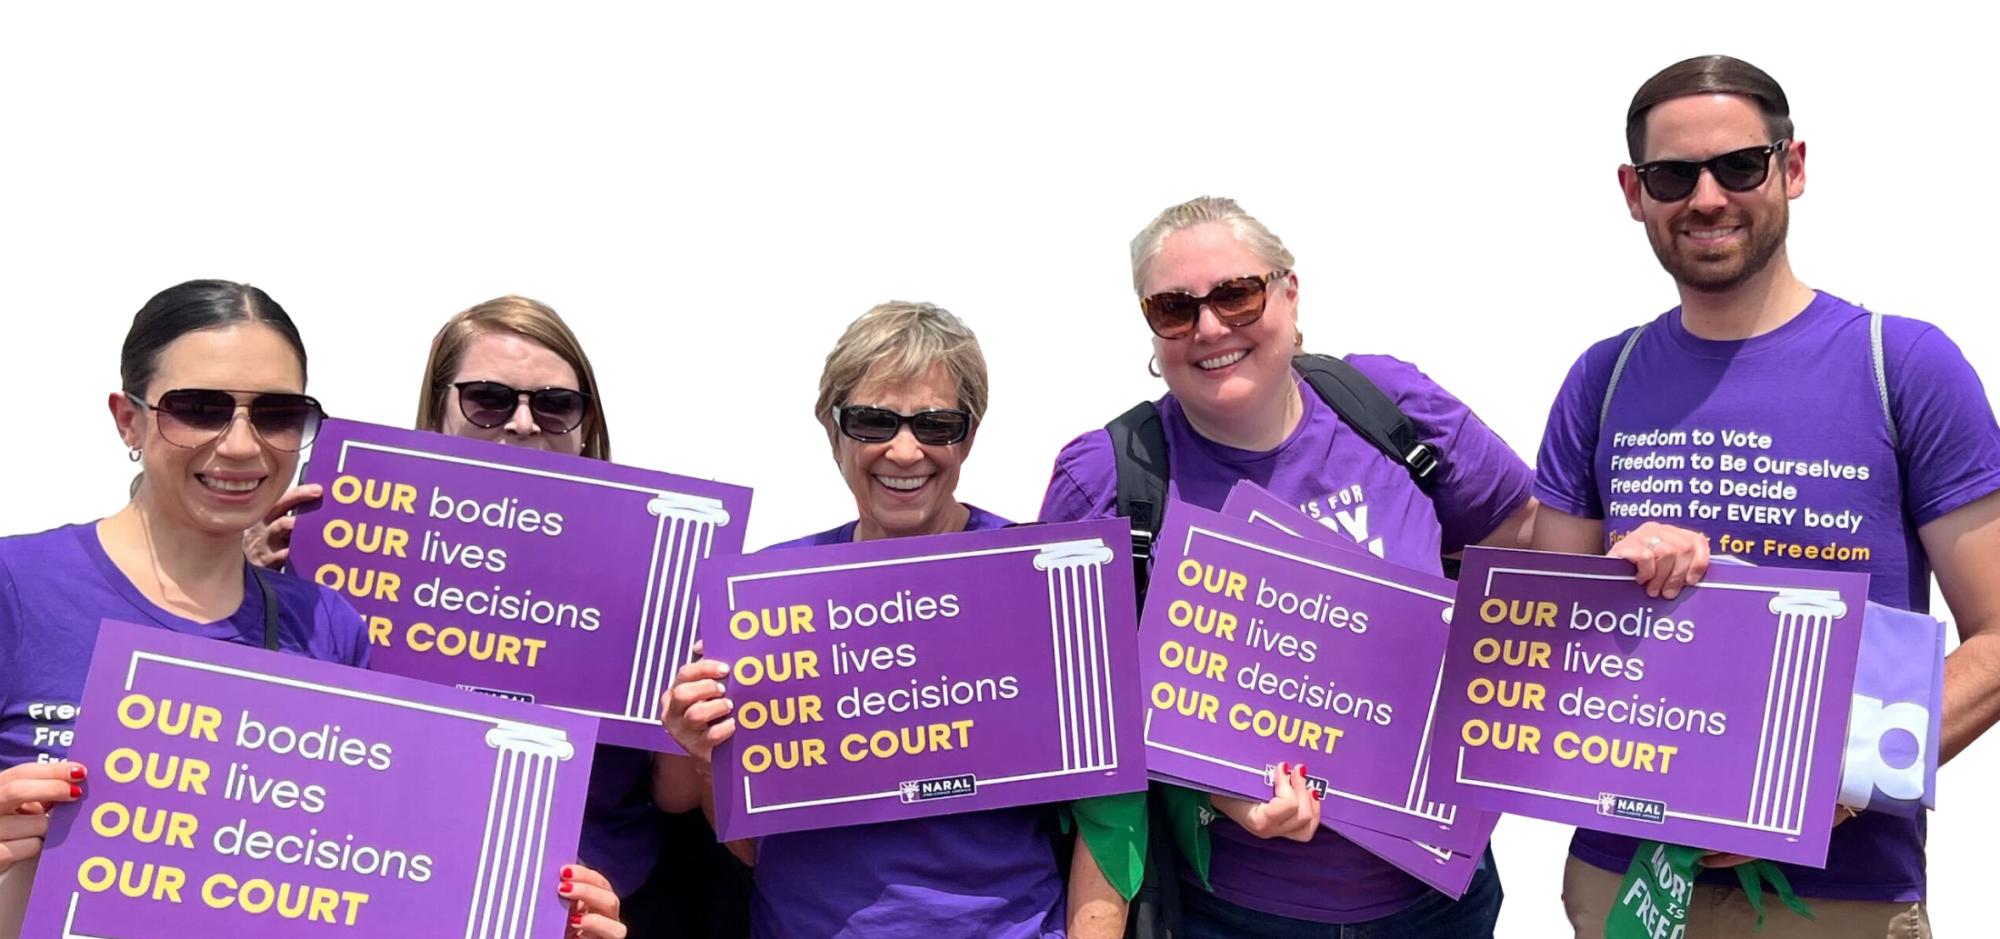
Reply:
x=1785 y=438
x=58 y=585
x=622 y=836
x=990 y=874
x=1339 y=478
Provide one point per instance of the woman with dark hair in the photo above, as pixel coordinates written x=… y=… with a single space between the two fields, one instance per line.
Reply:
x=213 y=407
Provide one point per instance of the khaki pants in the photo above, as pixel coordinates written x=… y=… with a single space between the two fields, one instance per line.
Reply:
x=1724 y=913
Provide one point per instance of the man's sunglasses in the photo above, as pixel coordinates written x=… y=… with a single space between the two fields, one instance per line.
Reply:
x=490 y=404
x=1237 y=303
x=937 y=427
x=193 y=417
x=1737 y=171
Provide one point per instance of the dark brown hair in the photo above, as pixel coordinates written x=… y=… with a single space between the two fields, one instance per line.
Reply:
x=191 y=307
x=1708 y=75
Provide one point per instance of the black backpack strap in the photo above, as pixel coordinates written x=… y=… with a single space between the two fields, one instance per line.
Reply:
x=1139 y=446
x=1372 y=415
x=270 y=598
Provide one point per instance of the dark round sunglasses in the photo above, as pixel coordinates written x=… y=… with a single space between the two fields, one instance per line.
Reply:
x=1737 y=171
x=490 y=404
x=937 y=427
x=1237 y=303
x=193 y=417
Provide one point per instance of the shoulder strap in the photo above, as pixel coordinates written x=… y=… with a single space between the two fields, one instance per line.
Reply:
x=1371 y=413
x=1139 y=448
x=270 y=609
x=1882 y=376
x=1617 y=372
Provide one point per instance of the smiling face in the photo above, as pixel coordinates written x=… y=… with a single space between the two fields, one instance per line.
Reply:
x=903 y=487
x=227 y=484
x=1714 y=240
x=1224 y=376
x=523 y=364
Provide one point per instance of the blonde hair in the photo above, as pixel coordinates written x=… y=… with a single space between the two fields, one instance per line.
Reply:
x=530 y=320
x=898 y=341
x=1201 y=210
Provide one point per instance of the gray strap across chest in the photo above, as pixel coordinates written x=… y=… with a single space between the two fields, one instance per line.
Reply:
x=1878 y=369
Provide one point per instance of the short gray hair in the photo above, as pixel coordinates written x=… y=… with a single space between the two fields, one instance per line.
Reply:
x=1198 y=211
x=898 y=341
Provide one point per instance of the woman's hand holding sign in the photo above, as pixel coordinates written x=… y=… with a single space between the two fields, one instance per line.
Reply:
x=1667 y=558
x=1293 y=811
x=27 y=792
x=269 y=545
x=697 y=715
x=593 y=904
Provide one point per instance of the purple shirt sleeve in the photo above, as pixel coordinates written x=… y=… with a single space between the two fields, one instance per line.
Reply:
x=1085 y=482
x=1481 y=480
x=1566 y=466
x=1947 y=438
x=343 y=624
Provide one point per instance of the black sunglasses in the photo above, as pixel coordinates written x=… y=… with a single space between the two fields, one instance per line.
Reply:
x=192 y=417
x=1737 y=171
x=490 y=404
x=1237 y=302
x=937 y=427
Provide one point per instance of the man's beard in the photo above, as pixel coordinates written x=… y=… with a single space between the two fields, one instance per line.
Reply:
x=1707 y=275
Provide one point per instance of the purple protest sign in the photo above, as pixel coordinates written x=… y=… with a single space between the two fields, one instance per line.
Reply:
x=235 y=791
x=1448 y=871
x=924 y=676
x=535 y=576
x=1258 y=647
x=1716 y=719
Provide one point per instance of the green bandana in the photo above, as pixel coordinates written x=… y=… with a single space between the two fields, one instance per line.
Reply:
x=1653 y=900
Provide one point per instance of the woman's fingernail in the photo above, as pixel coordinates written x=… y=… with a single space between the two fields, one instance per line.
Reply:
x=576 y=918
x=75 y=791
x=76 y=773
x=1318 y=795
x=568 y=873
x=1302 y=770
x=566 y=887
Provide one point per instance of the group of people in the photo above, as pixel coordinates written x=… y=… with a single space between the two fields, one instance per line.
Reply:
x=213 y=407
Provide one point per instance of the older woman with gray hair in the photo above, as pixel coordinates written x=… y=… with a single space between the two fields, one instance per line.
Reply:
x=900 y=401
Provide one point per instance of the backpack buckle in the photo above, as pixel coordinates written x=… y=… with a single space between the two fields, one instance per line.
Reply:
x=1142 y=545
x=1421 y=460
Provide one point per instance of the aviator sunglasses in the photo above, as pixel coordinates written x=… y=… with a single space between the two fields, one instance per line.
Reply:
x=937 y=427
x=192 y=417
x=490 y=404
x=1237 y=303
x=1737 y=171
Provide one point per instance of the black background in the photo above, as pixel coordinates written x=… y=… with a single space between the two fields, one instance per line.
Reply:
x=105 y=202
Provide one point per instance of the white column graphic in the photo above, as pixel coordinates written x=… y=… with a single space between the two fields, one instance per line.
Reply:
x=666 y=621
x=1791 y=706
x=509 y=882
x=1085 y=723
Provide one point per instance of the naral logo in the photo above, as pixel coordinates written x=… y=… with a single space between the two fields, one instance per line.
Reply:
x=1640 y=810
x=520 y=696
x=943 y=787
x=1315 y=783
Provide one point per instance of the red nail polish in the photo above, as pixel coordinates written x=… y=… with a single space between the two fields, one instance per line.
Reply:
x=566 y=887
x=1302 y=771
x=578 y=918
x=75 y=791
x=76 y=773
x=1284 y=769
x=1318 y=795
x=567 y=873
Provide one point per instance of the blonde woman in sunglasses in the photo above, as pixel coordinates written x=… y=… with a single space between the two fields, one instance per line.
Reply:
x=512 y=372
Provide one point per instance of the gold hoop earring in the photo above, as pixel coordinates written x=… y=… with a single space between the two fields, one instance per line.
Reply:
x=133 y=454
x=1153 y=367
